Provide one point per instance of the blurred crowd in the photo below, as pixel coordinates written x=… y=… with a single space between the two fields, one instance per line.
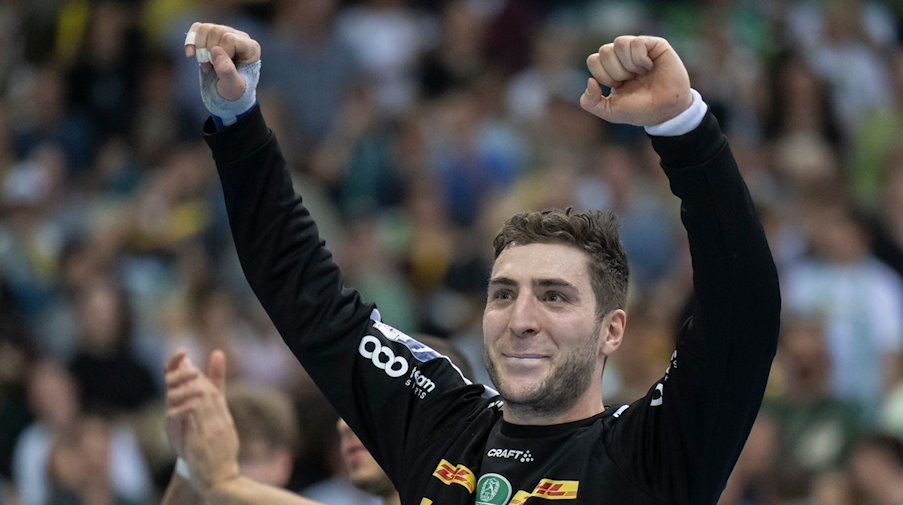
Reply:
x=413 y=128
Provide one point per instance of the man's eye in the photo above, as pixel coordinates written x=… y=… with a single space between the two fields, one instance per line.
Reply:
x=554 y=296
x=502 y=294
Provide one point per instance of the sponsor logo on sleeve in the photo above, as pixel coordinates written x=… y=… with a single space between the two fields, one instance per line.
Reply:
x=455 y=474
x=420 y=384
x=383 y=357
x=659 y=396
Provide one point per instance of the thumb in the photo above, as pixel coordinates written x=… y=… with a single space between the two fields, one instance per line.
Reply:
x=216 y=369
x=231 y=84
x=594 y=100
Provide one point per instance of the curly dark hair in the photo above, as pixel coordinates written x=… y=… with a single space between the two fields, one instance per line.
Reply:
x=594 y=232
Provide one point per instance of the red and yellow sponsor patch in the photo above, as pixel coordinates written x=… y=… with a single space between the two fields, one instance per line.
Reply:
x=556 y=489
x=549 y=490
x=456 y=474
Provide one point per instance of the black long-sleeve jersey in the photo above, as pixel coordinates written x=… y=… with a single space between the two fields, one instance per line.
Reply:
x=441 y=439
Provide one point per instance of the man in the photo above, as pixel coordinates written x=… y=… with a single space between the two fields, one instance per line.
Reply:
x=263 y=419
x=554 y=313
x=263 y=423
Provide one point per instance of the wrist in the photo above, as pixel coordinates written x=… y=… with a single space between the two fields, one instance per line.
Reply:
x=217 y=492
x=684 y=122
x=227 y=112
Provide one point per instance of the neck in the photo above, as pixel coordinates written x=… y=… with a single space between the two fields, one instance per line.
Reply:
x=392 y=499
x=587 y=405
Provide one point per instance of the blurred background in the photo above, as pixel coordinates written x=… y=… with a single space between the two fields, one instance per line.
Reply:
x=413 y=128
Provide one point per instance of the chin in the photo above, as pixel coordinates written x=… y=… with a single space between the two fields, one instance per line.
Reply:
x=519 y=393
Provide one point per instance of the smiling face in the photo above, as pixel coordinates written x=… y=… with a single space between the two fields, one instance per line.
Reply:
x=544 y=342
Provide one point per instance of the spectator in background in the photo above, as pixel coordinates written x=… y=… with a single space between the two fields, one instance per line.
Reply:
x=815 y=429
x=552 y=73
x=111 y=378
x=266 y=427
x=751 y=482
x=256 y=425
x=860 y=299
x=159 y=121
x=458 y=61
x=79 y=466
x=102 y=79
x=311 y=59
x=17 y=350
x=877 y=469
x=46 y=116
x=389 y=38
x=54 y=401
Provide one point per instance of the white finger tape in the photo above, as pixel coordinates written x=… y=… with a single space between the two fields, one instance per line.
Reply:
x=203 y=55
x=190 y=38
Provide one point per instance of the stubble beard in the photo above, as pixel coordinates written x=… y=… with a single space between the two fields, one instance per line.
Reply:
x=560 y=390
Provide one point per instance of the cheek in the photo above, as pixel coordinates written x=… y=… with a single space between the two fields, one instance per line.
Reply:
x=493 y=325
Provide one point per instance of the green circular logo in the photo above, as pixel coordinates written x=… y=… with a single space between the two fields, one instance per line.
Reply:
x=493 y=489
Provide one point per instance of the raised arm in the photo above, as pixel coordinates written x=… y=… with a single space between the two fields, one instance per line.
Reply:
x=694 y=422
x=362 y=365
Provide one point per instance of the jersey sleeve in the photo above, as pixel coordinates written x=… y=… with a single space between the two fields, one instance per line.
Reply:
x=682 y=440
x=387 y=386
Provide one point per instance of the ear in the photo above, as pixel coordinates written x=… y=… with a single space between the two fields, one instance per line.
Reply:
x=612 y=330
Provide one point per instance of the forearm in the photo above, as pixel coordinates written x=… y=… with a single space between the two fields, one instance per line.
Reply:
x=734 y=273
x=244 y=491
x=282 y=255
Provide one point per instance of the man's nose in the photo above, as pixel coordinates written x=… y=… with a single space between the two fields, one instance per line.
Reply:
x=524 y=316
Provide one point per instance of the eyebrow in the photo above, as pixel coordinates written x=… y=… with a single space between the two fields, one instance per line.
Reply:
x=543 y=283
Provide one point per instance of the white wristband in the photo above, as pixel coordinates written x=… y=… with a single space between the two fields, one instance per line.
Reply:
x=182 y=469
x=685 y=122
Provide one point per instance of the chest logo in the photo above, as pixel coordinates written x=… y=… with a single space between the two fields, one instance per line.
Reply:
x=493 y=489
x=550 y=490
x=455 y=474
x=515 y=454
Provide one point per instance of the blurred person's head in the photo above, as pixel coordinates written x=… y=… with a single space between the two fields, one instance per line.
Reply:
x=306 y=17
x=363 y=471
x=877 y=468
x=268 y=428
x=104 y=317
x=79 y=458
x=53 y=395
x=47 y=96
x=802 y=349
x=836 y=232
x=832 y=488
